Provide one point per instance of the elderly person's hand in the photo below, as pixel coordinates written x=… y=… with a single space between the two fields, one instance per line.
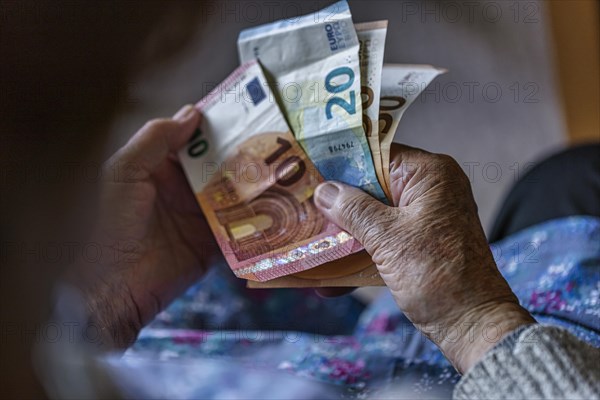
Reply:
x=432 y=253
x=153 y=237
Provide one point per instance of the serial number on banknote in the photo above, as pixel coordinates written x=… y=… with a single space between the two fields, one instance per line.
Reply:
x=341 y=147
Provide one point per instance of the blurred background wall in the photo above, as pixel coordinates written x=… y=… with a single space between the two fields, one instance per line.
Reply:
x=520 y=85
x=576 y=41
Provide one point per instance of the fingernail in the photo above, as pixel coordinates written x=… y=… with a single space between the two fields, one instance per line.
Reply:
x=326 y=194
x=185 y=113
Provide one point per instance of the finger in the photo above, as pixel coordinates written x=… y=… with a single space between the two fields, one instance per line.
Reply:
x=402 y=166
x=151 y=145
x=406 y=152
x=364 y=217
x=414 y=171
x=401 y=154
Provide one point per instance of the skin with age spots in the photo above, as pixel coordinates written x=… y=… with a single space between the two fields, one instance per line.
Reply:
x=432 y=253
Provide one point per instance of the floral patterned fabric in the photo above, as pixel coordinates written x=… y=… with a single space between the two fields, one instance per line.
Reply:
x=221 y=340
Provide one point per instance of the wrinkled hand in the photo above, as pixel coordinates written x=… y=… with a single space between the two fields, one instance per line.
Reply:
x=432 y=253
x=155 y=241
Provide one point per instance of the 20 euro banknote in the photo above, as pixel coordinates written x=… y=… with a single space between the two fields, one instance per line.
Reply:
x=314 y=63
x=255 y=184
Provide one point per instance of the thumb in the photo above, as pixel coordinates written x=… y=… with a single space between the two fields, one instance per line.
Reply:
x=151 y=145
x=364 y=217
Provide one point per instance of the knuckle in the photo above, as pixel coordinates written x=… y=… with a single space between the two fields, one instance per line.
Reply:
x=447 y=162
x=158 y=125
x=450 y=169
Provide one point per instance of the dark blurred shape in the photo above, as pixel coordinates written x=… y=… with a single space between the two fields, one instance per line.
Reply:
x=563 y=185
x=63 y=74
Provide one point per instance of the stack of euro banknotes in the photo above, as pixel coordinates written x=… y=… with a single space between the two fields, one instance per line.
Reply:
x=312 y=101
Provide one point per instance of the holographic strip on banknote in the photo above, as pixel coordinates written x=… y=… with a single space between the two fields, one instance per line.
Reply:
x=255 y=184
x=314 y=63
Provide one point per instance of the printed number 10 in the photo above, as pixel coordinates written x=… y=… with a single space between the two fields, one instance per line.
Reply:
x=349 y=107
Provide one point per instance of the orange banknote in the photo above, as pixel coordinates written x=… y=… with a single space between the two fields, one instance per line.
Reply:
x=255 y=184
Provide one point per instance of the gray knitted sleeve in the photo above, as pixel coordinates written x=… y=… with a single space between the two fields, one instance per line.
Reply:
x=544 y=362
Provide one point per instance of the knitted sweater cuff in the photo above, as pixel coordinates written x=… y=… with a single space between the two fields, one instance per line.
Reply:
x=536 y=361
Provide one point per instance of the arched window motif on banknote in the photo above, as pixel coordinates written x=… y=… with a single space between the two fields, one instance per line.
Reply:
x=262 y=196
x=269 y=222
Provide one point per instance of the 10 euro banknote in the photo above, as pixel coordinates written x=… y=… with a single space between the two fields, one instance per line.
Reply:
x=255 y=184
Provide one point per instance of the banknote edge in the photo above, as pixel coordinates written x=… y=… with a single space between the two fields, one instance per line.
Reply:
x=208 y=100
x=281 y=25
x=371 y=25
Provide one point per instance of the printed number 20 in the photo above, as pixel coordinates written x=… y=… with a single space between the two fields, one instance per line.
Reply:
x=350 y=107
